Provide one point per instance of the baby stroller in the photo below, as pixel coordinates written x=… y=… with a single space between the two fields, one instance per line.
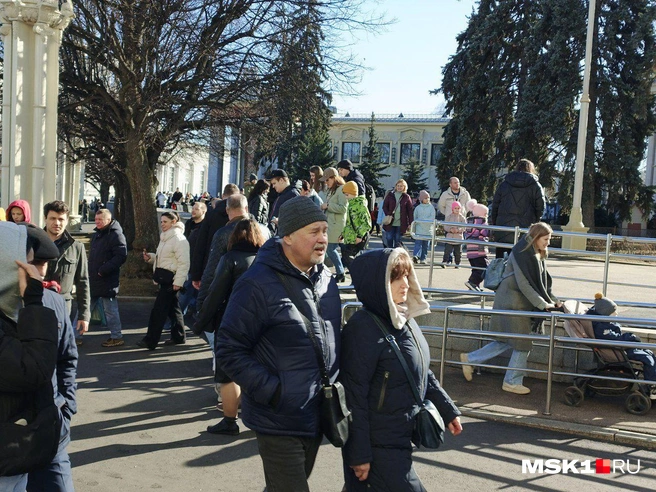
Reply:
x=611 y=362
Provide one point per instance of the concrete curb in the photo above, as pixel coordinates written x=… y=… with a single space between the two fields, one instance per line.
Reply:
x=136 y=298
x=608 y=434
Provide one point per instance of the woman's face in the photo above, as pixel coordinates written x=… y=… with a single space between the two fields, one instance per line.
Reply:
x=542 y=243
x=330 y=182
x=400 y=289
x=305 y=192
x=166 y=223
x=17 y=215
x=312 y=177
x=400 y=187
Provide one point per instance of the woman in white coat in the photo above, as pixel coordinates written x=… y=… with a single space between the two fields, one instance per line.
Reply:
x=170 y=269
x=335 y=208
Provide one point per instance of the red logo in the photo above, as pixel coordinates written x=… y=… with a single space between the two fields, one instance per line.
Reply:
x=602 y=466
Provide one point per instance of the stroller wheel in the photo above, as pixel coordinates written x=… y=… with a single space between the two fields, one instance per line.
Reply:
x=637 y=403
x=574 y=396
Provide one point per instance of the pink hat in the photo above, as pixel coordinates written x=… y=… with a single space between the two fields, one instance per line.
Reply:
x=455 y=205
x=423 y=194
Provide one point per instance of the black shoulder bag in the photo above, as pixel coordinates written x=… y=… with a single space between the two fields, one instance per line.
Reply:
x=428 y=431
x=335 y=415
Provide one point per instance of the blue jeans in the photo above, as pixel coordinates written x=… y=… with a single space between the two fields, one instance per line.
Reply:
x=57 y=476
x=518 y=360
x=110 y=307
x=188 y=299
x=335 y=257
x=421 y=249
x=393 y=237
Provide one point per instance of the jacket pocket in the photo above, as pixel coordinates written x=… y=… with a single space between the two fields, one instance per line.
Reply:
x=381 y=398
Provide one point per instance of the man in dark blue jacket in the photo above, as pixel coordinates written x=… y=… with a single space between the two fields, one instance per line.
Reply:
x=280 y=183
x=263 y=343
x=108 y=252
x=349 y=173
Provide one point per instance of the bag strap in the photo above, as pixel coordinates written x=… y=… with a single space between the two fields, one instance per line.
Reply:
x=395 y=346
x=325 y=379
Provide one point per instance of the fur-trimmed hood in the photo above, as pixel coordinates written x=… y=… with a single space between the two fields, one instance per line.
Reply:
x=371 y=272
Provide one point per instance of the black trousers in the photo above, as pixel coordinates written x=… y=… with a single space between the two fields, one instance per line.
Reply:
x=288 y=461
x=166 y=306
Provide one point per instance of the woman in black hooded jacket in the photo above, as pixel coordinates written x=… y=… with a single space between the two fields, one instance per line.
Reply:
x=243 y=244
x=378 y=454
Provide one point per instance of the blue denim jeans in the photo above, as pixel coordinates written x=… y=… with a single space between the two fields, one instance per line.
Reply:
x=421 y=249
x=110 y=306
x=393 y=237
x=518 y=360
x=335 y=257
x=57 y=476
x=188 y=299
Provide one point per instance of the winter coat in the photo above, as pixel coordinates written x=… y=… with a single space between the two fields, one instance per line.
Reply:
x=405 y=210
x=258 y=207
x=287 y=194
x=448 y=197
x=192 y=230
x=476 y=234
x=263 y=345
x=70 y=270
x=526 y=286
x=518 y=201
x=232 y=265
x=336 y=214
x=215 y=218
x=172 y=253
x=453 y=232
x=377 y=388
x=358 y=220
x=107 y=253
x=24 y=206
x=357 y=176
x=424 y=211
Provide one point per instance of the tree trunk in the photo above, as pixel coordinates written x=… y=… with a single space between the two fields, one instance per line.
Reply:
x=104 y=192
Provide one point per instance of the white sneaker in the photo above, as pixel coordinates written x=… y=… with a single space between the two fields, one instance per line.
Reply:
x=518 y=389
x=471 y=286
x=467 y=370
x=652 y=393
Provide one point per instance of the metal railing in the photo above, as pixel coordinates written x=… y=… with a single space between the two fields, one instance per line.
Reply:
x=564 y=342
x=607 y=255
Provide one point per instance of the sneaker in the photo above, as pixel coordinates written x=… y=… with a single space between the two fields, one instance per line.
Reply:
x=143 y=344
x=652 y=393
x=225 y=427
x=422 y=262
x=415 y=259
x=467 y=370
x=340 y=277
x=471 y=286
x=113 y=342
x=457 y=266
x=443 y=265
x=173 y=342
x=448 y=263
x=518 y=389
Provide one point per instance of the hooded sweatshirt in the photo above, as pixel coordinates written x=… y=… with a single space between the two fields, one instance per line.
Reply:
x=24 y=206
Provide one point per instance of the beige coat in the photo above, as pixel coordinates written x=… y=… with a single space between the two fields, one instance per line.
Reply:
x=336 y=214
x=172 y=253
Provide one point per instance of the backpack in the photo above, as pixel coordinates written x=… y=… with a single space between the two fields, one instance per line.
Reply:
x=370 y=194
x=494 y=272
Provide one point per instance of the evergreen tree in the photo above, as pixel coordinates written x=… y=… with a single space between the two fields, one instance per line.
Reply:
x=314 y=149
x=371 y=167
x=414 y=176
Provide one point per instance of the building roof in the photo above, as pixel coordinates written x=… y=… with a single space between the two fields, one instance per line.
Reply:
x=390 y=118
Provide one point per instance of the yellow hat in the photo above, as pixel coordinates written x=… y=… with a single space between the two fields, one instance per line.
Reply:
x=351 y=188
x=3 y=216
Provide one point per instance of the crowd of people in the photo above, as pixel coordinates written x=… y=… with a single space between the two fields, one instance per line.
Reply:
x=249 y=270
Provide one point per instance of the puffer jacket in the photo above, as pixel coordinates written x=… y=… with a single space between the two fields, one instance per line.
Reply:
x=336 y=213
x=454 y=232
x=258 y=207
x=107 y=253
x=477 y=234
x=263 y=345
x=358 y=220
x=377 y=388
x=172 y=253
x=518 y=201
x=231 y=266
x=405 y=210
x=70 y=270
x=424 y=211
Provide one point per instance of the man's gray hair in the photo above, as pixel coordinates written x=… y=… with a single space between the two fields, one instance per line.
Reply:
x=104 y=212
x=237 y=202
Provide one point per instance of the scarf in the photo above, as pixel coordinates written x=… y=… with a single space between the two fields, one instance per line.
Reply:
x=529 y=264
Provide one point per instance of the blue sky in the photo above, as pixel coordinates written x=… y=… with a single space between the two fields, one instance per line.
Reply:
x=406 y=61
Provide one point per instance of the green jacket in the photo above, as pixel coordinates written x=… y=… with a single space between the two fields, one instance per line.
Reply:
x=358 y=220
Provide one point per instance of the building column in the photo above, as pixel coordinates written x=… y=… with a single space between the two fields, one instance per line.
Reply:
x=31 y=33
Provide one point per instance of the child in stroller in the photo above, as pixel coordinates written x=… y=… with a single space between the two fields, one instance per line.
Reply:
x=611 y=362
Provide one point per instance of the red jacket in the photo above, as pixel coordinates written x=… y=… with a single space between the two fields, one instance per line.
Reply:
x=405 y=209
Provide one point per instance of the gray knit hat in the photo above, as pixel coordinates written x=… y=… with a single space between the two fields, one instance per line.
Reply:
x=604 y=306
x=296 y=213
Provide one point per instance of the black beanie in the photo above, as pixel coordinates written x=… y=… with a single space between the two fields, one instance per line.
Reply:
x=296 y=213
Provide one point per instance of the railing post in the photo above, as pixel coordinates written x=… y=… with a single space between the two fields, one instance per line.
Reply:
x=516 y=235
x=547 y=408
x=609 y=242
x=432 y=256
x=444 y=336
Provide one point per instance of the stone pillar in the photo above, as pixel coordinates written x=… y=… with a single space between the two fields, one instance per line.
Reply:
x=31 y=32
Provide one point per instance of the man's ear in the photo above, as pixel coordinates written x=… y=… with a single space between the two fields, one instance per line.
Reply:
x=287 y=240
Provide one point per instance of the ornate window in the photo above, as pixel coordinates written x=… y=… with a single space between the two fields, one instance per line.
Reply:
x=410 y=152
x=436 y=150
x=351 y=151
x=384 y=152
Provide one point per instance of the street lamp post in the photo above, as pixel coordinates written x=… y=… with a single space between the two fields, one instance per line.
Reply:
x=575 y=223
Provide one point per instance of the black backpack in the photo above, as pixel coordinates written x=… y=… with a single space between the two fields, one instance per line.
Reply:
x=370 y=194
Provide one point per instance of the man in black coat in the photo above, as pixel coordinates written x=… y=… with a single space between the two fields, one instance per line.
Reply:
x=215 y=218
x=349 y=173
x=264 y=347
x=280 y=183
x=518 y=201
x=107 y=253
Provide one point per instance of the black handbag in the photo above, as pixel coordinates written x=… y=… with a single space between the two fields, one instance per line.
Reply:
x=428 y=431
x=335 y=415
x=162 y=276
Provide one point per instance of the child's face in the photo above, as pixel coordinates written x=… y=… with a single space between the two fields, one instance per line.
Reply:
x=17 y=215
x=425 y=200
x=456 y=210
x=349 y=196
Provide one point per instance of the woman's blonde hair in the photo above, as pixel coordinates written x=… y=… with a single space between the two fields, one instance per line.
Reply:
x=401 y=266
x=536 y=231
x=404 y=183
x=339 y=181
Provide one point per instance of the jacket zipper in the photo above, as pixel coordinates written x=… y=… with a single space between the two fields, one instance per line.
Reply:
x=382 y=390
